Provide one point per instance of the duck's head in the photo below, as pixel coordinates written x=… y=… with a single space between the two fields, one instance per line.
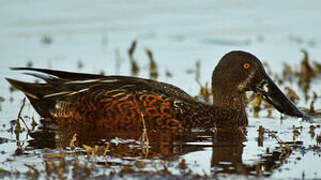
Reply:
x=240 y=71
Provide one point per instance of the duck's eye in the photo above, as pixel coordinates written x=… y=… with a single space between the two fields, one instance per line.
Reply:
x=246 y=65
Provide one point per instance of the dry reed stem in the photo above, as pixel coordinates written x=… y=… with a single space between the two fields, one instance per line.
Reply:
x=286 y=149
x=72 y=141
x=145 y=135
x=20 y=118
x=105 y=153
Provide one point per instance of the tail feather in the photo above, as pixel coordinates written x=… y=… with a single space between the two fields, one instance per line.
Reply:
x=61 y=74
x=44 y=96
x=29 y=89
x=45 y=77
x=35 y=93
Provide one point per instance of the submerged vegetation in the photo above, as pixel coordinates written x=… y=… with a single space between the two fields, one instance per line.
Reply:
x=78 y=152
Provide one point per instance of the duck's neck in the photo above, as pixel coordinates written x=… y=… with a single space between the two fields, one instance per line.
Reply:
x=226 y=93
x=228 y=112
x=234 y=102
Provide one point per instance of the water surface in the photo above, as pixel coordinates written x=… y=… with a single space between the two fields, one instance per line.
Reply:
x=94 y=36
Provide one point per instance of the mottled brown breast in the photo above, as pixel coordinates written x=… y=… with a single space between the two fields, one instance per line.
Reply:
x=120 y=109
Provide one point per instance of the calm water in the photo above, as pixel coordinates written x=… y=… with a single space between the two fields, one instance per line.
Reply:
x=94 y=36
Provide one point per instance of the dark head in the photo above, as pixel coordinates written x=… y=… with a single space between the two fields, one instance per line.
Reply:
x=240 y=71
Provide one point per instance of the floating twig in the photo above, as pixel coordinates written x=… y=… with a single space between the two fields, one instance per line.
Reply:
x=285 y=148
x=153 y=73
x=21 y=108
x=105 y=153
x=35 y=173
x=260 y=137
x=118 y=60
x=134 y=67
x=18 y=129
x=257 y=105
x=145 y=135
x=198 y=70
x=72 y=141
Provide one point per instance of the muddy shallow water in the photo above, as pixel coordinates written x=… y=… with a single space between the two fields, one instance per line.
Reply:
x=94 y=36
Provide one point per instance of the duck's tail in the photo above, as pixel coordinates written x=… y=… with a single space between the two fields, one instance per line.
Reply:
x=31 y=90
x=35 y=93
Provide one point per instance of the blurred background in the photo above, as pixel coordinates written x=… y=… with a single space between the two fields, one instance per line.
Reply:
x=94 y=36
x=90 y=35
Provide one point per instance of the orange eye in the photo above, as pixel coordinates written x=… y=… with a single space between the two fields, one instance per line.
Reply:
x=246 y=65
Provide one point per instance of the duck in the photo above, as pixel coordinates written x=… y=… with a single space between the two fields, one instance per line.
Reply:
x=123 y=102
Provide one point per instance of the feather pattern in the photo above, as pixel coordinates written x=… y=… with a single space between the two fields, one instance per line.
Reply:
x=113 y=101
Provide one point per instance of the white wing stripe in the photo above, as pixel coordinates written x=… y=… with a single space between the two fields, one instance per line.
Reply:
x=92 y=81
x=56 y=94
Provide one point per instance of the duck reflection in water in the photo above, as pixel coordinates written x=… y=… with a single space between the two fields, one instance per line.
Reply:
x=227 y=146
x=227 y=156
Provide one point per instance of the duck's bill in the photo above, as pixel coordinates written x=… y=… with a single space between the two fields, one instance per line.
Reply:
x=273 y=95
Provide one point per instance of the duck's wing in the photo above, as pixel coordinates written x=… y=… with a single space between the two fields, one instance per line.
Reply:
x=61 y=85
x=71 y=81
x=59 y=74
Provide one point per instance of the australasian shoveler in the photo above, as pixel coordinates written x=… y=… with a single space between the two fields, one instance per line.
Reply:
x=123 y=102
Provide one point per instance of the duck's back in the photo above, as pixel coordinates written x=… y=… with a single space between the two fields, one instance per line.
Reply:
x=107 y=101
